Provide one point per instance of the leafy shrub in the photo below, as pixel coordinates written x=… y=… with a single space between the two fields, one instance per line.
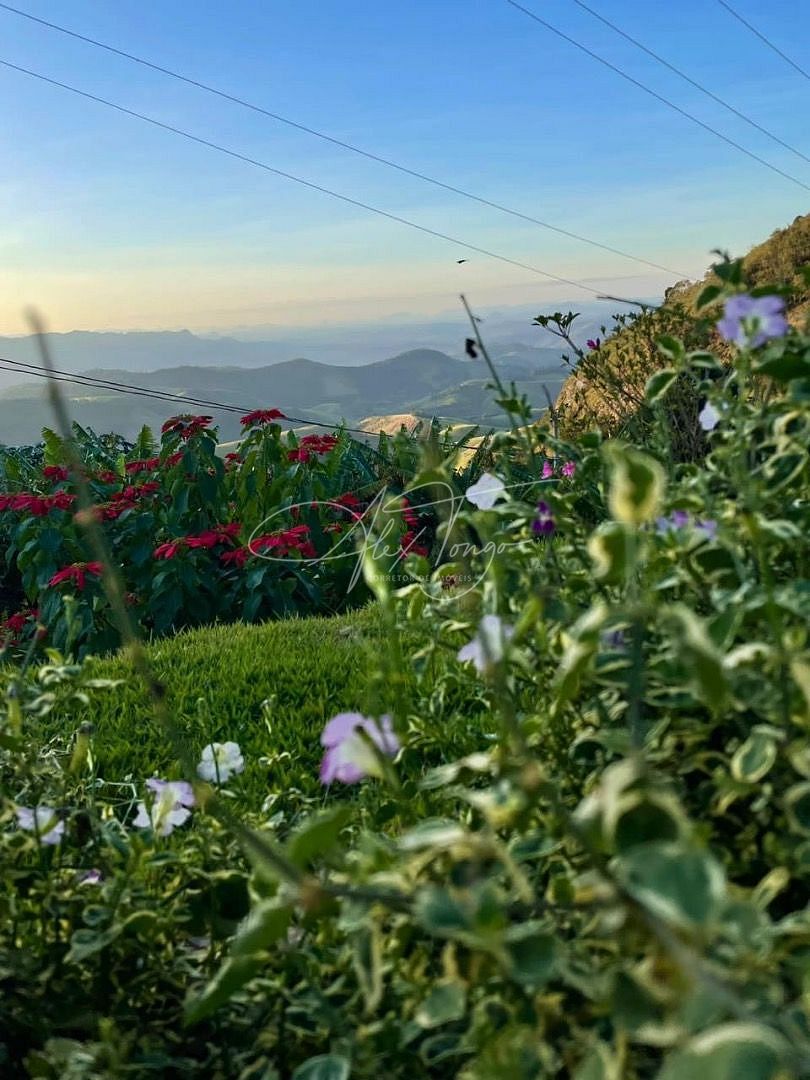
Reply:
x=589 y=857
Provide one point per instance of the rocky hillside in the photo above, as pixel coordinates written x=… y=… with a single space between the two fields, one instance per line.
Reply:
x=605 y=390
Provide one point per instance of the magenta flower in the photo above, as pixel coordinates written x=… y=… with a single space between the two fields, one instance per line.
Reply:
x=350 y=740
x=569 y=468
x=753 y=320
x=548 y=470
x=593 y=343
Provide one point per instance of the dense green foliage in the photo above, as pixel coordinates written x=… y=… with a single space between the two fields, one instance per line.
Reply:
x=587 y=851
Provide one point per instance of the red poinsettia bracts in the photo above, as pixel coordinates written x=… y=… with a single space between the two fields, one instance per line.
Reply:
x=169 y=549
x=283 y=542
x=186 y=425
x=142 y=465
x=235 y=557
x=299 y=455
x=107 y=476
x=57 y=473
x=77 y=574
x=261 y=416
x=220 y=534
x=319 y=444
x=15 y=624
x=37 y=505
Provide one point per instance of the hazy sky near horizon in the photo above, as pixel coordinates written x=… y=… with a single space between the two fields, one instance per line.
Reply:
x=109 y=223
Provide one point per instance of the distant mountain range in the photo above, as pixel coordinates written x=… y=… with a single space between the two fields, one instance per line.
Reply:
x=408 y=364
x=425 y=382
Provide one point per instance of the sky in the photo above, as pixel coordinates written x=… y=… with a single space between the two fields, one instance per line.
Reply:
x=107 y=222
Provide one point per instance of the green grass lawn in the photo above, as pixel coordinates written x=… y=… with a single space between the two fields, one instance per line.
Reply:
x=271 y=688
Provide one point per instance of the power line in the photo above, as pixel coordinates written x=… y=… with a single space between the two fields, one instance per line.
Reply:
x=298 y=179
x=166 y=395
x=682 y=74
x=335 y=141
x=762 y=37
x=656 y=95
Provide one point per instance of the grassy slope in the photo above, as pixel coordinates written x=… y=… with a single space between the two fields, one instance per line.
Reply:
x=217 y=679
x=308 y=668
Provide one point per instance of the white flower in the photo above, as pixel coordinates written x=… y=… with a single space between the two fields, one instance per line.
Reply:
x=220 y=761
x=484 y=492
x=709 y=417
x=43 y=820
x=487 y=648
x=168 y=808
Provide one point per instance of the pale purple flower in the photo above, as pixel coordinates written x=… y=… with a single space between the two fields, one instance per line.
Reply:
x=682 y=519
x=543 y=524
x=569 y=468
x=548 y=470
x=42 y=820
x=485 y=491
x=753 y=320
x=708 y=417
x=707 y=527
x=168 y=808
x=349 y=756
x=220 y=761
x=488 y=646
x=593 y=343
x=90 y=877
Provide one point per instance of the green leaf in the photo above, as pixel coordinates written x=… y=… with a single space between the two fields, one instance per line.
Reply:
x=755 y=758
x=318 y=835
x=797 y=804
x=433 y=833
x=682 y=886
x=439 y=912
x=612 y=548
x=636 y=484
x=267 y=922
x=707 y=295
x=702 y=658
x=531 y=953
x=741 y=1051
x=659 y=383
x=323 y=1067
x=445 y=1002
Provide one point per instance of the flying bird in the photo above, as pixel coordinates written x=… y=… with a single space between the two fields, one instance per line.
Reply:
x=460 y=260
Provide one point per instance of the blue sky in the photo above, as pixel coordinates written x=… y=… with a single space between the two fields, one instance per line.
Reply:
x=106 y=222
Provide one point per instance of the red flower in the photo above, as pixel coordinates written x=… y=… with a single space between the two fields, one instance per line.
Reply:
x=410 y=547
x=294 y=539
x=142 y=465
x=174 y=459
x=57 y=473
x=235 y=557
x=299 y=455
x=221 y=534
x=16 y=623
x=169 y=549
x=319 y=444
x=261 y=416
x=76 y=573
x=107 y=476
x=186 y=425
